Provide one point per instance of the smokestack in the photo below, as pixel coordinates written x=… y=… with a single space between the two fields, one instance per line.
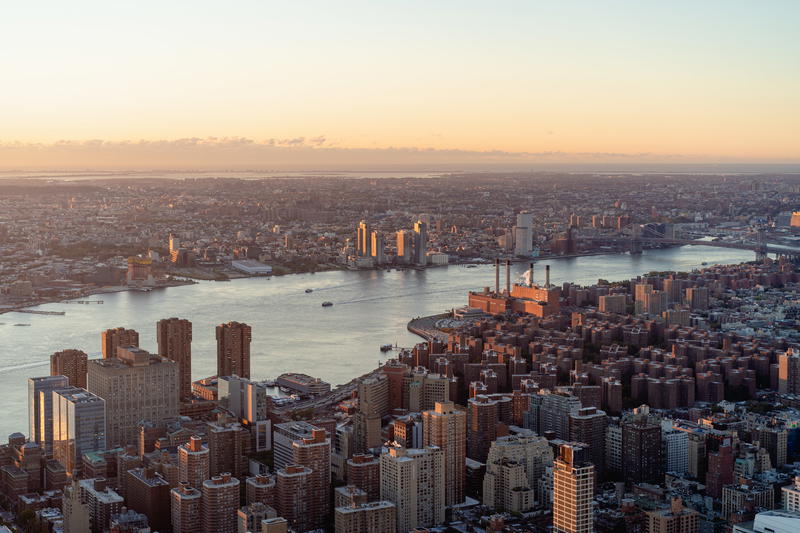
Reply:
x=508 y=276
x=497 y=275
x=547 y=276
x=530 y=275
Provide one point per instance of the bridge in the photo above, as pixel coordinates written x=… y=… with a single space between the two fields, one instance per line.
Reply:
x=635 y=240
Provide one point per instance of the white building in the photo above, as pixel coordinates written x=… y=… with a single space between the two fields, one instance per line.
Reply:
x=414 y=480
x=252 y=267
x=676 y=448
x=771 y=522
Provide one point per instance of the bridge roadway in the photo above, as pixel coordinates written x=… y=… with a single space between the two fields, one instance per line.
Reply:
x=719 y=244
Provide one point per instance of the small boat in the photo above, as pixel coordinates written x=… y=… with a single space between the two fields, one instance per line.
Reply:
x=327 y=304
x=704 y=263
x=309 y=290
x=22 y=324
x=386 y=347
x=472 y=266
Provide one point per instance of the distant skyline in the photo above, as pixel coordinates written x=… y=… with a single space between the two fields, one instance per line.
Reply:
x=457 y=85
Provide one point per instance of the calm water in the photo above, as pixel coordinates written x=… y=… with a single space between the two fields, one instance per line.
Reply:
x=291 y=331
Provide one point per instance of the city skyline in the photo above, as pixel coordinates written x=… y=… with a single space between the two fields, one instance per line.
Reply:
x=369 y=85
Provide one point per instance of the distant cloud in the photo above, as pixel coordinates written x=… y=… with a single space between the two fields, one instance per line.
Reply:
x=296 y=153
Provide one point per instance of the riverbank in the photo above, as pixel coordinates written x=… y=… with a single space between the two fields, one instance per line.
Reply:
x=28 y=304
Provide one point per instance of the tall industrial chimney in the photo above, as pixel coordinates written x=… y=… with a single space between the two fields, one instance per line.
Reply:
x=547 y=276
x=508 y=276
x=530 y=275
x=497 y=275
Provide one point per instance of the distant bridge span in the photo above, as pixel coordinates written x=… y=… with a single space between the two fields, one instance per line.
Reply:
x=755 y=247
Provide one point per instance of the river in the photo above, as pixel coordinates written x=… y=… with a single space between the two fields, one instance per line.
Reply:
x=291 y=330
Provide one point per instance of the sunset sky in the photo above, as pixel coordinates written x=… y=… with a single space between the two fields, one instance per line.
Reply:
x=124 y=84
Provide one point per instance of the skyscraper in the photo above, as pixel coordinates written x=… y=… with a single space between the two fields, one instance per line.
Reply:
x=420 y=243
x=70 y=363
x=40 y=409
x=446 y=428
x=363 y=242
x=510 y=457
x=79 y=426
x=482 y=418
x=373 y=404
x=193 y=462
x=405 y=247
x=228 y=446
x=174 y=336
x=377 y=248
x=588 y=425
x=641 y=452
x=413 y=479
x=555 y=411
x=233 y=349
x=136 y=386
x=111 y=339
x=314 y=453
x=573 y=490
x=292 y=490
x=789 y=372
x=220 y=504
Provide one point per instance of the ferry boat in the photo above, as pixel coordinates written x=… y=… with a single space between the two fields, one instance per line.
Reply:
x=309 y=290
x=327 y=304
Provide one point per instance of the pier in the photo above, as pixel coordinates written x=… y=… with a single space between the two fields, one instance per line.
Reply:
x=34 y=312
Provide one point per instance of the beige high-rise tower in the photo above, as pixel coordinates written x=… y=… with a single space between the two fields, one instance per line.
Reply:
x=446 y=427
x=174 y=336
x=413 y=479
x=573 y=491
x=136 y=386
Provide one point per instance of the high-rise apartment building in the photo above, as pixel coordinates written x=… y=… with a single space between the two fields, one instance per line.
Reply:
x=249 y=402
x=101 y=502
x=697 y=298
x=233 y=349
x=314 y=453
x=422 y=389
x=573 y=490
x=446 y=428
x=613 y=303
x=525 y=452
x=174 y=336
x=148 y=492
x=364 y=472
x=40 y=410
x=555 y=411
x=136 y=386
x=283 y=435
x=676 y=519
x=193 y=462
x=413 y=479
x=588 y=425
x=373 y=404
x=377 y=248
x=70 y=363
x=260 y=488
x=676 y=448
x=482 y=419
x=187 y=510
x=420 y=243
x=228 y=447
x=789 y=372
x=363 y=242
x=111 y=339
x=405 y=247
x=366 y=517
x=292 y=491
x=641 y=452
x=79 y=426
x=220 y=504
